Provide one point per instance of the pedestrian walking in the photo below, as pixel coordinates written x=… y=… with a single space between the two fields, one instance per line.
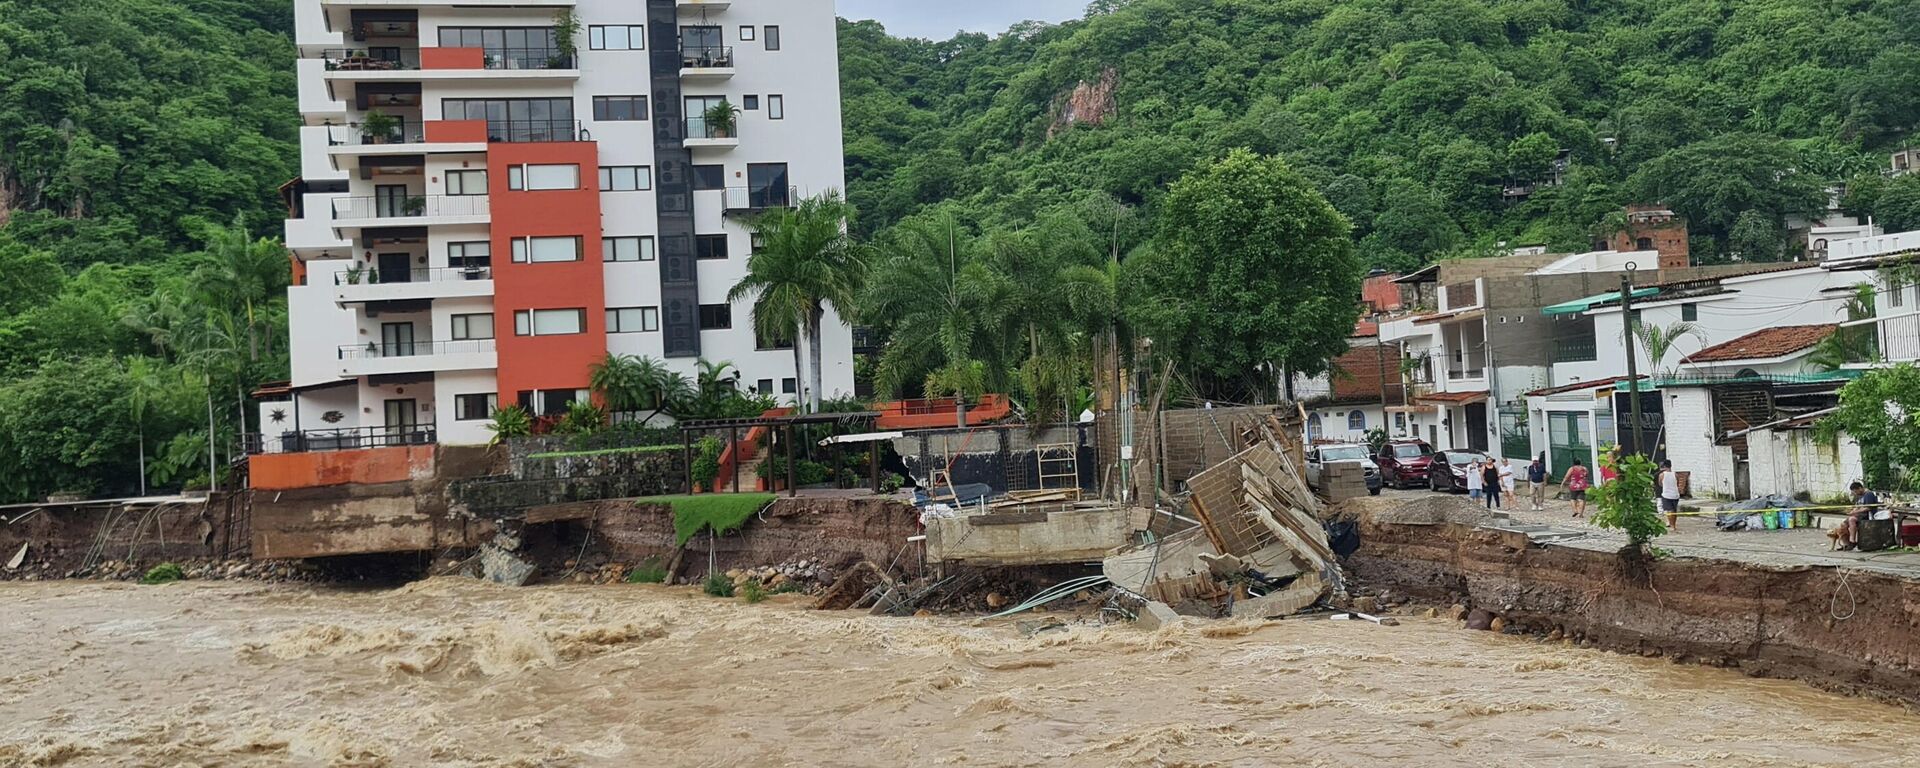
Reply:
x=1537 y=482
x=1670 y=494
x=1474 y=480
x=1490 y=478
x=1576 y=483
x=1507 y=477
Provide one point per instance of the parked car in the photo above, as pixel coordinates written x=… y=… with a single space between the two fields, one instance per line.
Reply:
x=1403 y=463
x=1321 y=455
x=1448 y=470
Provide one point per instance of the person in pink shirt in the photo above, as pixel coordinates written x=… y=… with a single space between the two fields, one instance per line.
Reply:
x=1576 y=482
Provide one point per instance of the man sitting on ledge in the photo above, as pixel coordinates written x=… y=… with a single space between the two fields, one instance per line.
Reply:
x=1847 y=537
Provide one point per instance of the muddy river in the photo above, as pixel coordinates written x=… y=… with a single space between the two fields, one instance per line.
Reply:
x=458 y=673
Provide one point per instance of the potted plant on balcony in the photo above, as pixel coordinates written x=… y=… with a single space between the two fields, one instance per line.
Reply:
x=379 y=128
x=720 y=120
x=355 y=272
x=416 y=205
x=566 y=27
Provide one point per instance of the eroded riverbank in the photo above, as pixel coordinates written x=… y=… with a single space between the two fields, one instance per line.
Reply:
x=453 y=672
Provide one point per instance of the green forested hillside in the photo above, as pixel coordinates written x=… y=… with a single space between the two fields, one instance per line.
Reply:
x=141 y=142
x=1412 y=115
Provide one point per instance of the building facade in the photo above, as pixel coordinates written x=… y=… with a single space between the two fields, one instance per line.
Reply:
x=496 y=195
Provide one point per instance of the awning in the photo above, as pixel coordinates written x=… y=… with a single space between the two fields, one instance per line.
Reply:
x=864 y=437
x=1581 y=305
x=1454 y=398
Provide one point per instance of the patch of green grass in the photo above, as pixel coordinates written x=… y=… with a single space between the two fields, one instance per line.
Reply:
x=649 y=571
x=718 y=585
x=753 y=592
x=163 y=573
x=722 y=512
x=788 y=586
x=605 y=452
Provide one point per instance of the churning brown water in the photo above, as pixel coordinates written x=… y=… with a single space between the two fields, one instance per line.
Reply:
x=450 y=672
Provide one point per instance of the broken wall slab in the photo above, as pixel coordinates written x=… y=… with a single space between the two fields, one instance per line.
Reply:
x=1069 y=536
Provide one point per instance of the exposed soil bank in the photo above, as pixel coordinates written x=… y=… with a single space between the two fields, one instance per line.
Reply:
x=1851 y=632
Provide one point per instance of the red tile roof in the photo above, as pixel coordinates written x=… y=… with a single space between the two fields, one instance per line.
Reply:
x=1456 y=398
x=1762 y=344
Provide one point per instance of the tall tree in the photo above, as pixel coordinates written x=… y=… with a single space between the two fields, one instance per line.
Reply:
x=1252 y=270
x=806 y=263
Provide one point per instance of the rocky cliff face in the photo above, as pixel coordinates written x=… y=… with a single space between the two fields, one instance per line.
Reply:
x=1090 y=103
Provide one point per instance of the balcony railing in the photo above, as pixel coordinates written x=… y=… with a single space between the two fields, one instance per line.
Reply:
x=356 y=134
x=707 y=57
x=409 y=207
x=372 y=350
x=526 y=58
x=421 y=275
x=342 y=439
x=1574 y=352
x=521 y=131
x=751 y=200
x=702 y=128
x=1462 y=374
x=370 y=59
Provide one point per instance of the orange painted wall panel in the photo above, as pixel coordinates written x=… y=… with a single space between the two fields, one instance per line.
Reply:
x=546 y=362
x=456 y=131
x=286 y=471
x=452 y=58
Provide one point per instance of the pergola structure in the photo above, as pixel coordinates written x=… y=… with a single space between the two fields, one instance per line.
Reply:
x=785 y=424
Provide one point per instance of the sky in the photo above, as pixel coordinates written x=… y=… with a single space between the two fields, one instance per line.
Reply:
x=940 y=19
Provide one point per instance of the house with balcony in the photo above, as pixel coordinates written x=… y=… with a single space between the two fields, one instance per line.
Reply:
x=495 y=195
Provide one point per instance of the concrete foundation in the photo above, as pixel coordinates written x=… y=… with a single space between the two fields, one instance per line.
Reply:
x=1037 y=538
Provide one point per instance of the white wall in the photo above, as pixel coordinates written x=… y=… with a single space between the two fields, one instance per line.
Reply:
x=1792 y=461
x=319 y=327
x=446 y=387
x=1335 y=421
x=1782 y=298
x=1690 y=441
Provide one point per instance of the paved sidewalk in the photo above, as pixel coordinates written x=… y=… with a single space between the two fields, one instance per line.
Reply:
x=1698 y=538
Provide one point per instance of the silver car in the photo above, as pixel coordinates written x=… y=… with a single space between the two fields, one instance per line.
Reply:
x=1319 y=456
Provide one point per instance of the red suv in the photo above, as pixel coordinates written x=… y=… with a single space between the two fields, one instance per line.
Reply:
x=1404 y=463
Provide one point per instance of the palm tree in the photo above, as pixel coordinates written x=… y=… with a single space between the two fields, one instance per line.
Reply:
x=1657 y=341
x=1851 y=344
x=942 y=308
x=144 y=389
x=631 y=383
x=806 y=263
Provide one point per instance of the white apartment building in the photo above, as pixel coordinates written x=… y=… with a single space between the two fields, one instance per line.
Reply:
x=495 y=194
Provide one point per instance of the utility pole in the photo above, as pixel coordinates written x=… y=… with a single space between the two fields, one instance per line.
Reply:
x=1633 y=366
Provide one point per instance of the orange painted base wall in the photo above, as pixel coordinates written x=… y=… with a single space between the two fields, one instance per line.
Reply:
x=286 y=471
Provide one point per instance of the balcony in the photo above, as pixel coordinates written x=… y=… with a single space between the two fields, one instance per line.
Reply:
x=417 y=211
x=341 y=439
x=522 y=131
x=710 y=63
x=704 y=134
x=354 y=140
x=375 y=359
x=1581 y=351
x=369 y=59
x=753 y=201
x=365 y=285
x=700 y=6
x=375 y=63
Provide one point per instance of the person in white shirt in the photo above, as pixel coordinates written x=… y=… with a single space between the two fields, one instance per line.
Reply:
x=1670 y=494
x=1474 y=480
x=1506 y=483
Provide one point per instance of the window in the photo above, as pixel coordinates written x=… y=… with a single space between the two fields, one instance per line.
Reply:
x=478 y=407
x=551 y=402
x=789 y=386
x=1357 y=421
x=749 y=102
x=755 y=242
x=543 y=178
x=633 y=319
x=762 y=343
x=545 y=250
x=549 y=322
x=715 y=317
x=616 y=37
x=1896 y=294
x=767 y=186
x=475 y=326
x=506 y=47
x=625 y=178
x=467 y=182
x=746 y=33
x=1644 y=244
x=773 y=38
x=764 y=386
x=709 y=246
x=707 y=177
x=776 y=107
x=627 y=248
x=1690 y=312
x=474 y=255
x=702 y=41
x=1400 y=422
x=619 y=107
